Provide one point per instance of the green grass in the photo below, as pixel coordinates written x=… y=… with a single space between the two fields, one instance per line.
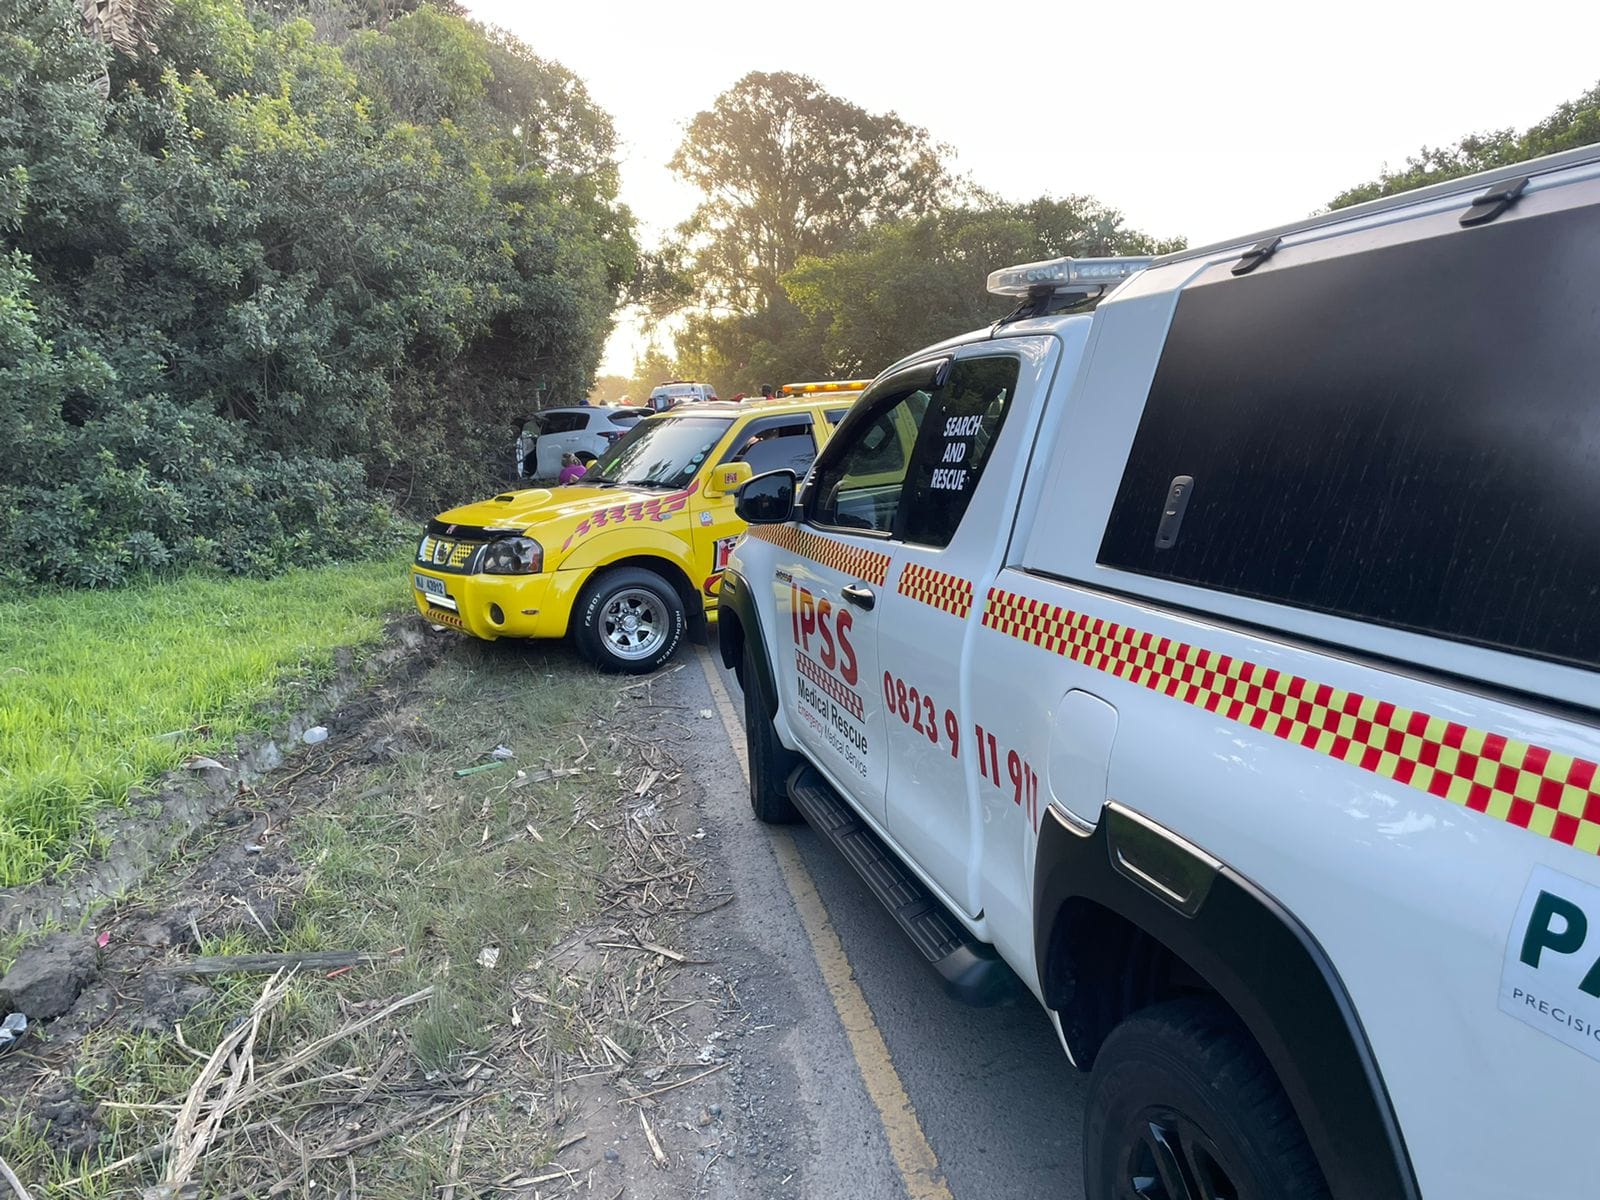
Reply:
x=89 y=681
x=423 y=869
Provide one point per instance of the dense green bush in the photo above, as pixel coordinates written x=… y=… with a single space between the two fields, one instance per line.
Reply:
x=274 y=278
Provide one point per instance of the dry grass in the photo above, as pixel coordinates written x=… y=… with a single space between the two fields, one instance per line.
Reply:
x=523 y=927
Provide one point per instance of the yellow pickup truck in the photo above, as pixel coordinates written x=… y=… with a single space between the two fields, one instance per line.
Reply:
x=629 y=558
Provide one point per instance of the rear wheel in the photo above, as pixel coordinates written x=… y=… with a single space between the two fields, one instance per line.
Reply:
x=1183 y=1106
x=629 y=620
x=770 y=760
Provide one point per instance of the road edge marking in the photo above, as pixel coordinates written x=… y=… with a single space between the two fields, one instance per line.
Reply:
x=908 y=1145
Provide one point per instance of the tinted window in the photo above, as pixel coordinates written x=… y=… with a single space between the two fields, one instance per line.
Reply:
x=912 y=468
x=860 y=487
x=562 y=422
x=628 y=418
x=835 y=415
x=769 y=445
x=1407 y=436
x=957 y=434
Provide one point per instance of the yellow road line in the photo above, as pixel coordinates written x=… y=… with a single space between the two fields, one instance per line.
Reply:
x=913 y=1156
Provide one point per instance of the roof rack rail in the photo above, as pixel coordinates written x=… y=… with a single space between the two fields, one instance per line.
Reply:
x=1450 y=187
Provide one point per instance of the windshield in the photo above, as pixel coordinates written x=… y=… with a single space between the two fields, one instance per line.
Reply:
x=660 y=453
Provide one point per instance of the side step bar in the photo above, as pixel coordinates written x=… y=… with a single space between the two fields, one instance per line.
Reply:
x=973 y=971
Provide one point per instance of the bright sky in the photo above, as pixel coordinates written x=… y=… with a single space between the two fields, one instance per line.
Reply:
x=1202 y=120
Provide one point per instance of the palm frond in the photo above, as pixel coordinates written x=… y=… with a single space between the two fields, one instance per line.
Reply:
x=126 y=25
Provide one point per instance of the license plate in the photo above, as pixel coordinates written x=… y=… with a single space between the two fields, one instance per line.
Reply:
x=427 y=583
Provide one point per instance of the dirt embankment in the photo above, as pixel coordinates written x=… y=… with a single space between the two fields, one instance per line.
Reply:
x=450 y=950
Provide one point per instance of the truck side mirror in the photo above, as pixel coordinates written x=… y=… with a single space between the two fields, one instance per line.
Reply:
x=767 y=499
x=726 y=479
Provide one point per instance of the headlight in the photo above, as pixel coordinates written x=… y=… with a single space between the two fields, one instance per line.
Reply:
x=512 y=556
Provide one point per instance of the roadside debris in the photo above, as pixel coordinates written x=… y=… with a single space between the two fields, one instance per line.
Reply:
x=463 y=772
x=260 y=964
x=503 y=751
x=13 y=1182
x=201 y=763
x=11 y=1031
x=317 y=733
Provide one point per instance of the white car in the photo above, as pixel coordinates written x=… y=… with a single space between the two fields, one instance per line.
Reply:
x=584 y=430
x=679 y=391
x=1212 y=646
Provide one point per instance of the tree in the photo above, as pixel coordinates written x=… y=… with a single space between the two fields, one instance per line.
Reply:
x=267 y=277
x=1574 y=123
x=612 y=389
x=907 y=284
x=789 y=171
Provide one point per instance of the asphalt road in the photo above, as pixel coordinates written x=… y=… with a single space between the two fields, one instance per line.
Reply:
x=994 y=1095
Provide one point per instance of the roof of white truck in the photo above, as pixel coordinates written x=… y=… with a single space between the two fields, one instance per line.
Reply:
x=1450 y=187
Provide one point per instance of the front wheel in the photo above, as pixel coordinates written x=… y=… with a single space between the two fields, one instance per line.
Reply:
x=1183 y=1106
x=769 y=760
x=629 y=621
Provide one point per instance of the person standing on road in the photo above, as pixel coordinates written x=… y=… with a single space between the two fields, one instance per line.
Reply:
x=766 y=391
x=571 y=469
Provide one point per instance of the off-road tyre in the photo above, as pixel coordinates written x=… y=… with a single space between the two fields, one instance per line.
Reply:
x=1187 y=1076
x=770 y=761
x=602 y=609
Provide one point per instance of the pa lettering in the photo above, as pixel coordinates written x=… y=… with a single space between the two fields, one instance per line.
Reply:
x=1559 y=926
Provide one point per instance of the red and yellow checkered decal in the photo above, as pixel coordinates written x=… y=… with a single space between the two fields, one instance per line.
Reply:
x=822 y=678
x=658 y=508
x=1551 y=794
x=440 y=617
x=947 y=593
x=866 y=565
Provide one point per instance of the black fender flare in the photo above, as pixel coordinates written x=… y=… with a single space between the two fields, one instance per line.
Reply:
x=1256 y=956
x=736 y=599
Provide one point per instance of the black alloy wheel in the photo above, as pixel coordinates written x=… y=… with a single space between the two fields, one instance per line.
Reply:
x=1183 y=1105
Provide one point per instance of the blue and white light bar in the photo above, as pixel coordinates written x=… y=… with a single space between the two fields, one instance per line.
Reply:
x=1061 y=273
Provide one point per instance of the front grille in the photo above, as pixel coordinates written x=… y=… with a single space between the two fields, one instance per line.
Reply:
x=446 y=554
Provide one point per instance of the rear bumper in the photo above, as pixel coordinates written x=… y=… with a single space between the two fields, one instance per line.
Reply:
x=497 y=606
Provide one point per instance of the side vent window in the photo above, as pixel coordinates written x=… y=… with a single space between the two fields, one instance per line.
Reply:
x=1408 y=436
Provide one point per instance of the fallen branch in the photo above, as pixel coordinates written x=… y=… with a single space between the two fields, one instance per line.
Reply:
x=306 y=1053
x=671 y=1086
x=456 y=1144
x=16 y=1184
x=259 y=964
x=192 y=1134
x=149 y=1154
x=655 y=1146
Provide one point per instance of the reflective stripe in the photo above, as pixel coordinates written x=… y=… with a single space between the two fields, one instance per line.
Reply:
x=1554 y=795
x=869 y=566
x=947 y=593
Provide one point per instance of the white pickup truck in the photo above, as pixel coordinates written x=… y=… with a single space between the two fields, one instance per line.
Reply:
x=1212 y=646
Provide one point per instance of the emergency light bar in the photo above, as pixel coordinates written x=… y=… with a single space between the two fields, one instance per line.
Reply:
x=1059 y=273
x=822 y=388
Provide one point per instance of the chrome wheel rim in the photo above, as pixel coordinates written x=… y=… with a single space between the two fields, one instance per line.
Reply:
x=634 y=624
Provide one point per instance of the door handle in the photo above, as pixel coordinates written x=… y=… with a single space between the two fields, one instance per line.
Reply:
x=860 y=595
